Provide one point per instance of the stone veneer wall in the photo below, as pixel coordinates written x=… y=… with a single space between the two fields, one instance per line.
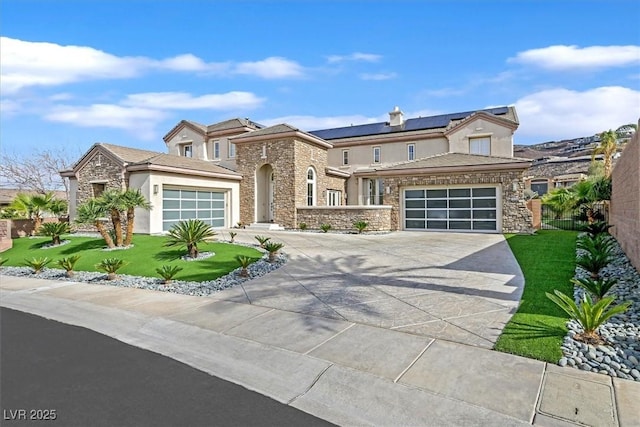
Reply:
x=516 y=218
x=108 y=171
x=625 y=201
x=343 y=217
x=5 y=235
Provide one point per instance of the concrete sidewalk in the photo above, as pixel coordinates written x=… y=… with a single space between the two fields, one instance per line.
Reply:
x=346 y=372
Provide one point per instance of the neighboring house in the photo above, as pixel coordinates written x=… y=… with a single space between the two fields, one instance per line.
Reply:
x=553 y=172
x=448 y=172
x=7 y=195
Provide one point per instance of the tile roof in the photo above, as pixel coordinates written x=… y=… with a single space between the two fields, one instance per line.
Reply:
x=127 y=154
x=420 y=123
x=233 y=124
x=447 y=160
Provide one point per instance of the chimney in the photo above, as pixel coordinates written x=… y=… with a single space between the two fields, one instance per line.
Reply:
x=395 y=117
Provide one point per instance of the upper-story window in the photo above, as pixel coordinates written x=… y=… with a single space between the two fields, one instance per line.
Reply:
x=187 y=150
x=480 y=145
x=232 y=150
x=345 y=157
x=311 y=187
x=411 y=151
x=216 y=150
x=376 y=154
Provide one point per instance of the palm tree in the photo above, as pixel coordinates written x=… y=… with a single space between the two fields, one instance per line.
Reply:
x=132 y=199
x=560 y=200
x=189 y=233
x=113 y=202
x=58 y=207
x=92 y=212
x=33 y=207
x=608 y=146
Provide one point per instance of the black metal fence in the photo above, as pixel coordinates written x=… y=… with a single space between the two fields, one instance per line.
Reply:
x=575 y=220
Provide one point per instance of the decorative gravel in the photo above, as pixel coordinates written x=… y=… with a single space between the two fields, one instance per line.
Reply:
x=256 y=269
x=621 y=356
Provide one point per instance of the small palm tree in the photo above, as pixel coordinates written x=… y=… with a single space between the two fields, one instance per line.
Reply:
x=244 y=262
x=111 y=267
x=608 y=147
x=594 y=262
x=588 y=314
x=232 y=235
x=325 y=227
x=113 y=203
x=58 y=207
x=595 y=244
x=38 y=264
x=92 y=212
x=597 y=287
x=597 y=228
x=33 y=206
x=262 y=240
x=189 y=233
x=68 y=264
x=360 y=226
x=168 y=272
x=54 y=230
x=132 y=200
x=273 y=248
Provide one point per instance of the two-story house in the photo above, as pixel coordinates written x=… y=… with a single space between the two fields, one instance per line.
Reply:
x=448 y=172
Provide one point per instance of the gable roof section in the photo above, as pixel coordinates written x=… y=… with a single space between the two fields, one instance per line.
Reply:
x=195 y=126
x=421 y=123
x=454 y=125
x=282 y=130
x=448 y=162
x=234 y=124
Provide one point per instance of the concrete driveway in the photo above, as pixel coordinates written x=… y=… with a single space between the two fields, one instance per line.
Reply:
x=453 y=286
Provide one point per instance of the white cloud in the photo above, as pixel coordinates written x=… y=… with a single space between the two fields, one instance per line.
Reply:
x=270 y=68
x=378 y=76
x=560 y=113
x=10 y=106
x=185 y=101
x=356 y=56
x=562 y=57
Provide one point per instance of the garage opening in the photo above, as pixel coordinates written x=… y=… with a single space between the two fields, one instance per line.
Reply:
x=456 y=209
x=183 y=204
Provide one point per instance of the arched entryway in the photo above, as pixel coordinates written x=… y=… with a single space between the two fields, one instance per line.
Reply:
x=265 y=207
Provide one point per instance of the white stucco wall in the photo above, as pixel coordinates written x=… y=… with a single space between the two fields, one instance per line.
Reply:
x=501 y=137
x=73 y=203
x=188 y=136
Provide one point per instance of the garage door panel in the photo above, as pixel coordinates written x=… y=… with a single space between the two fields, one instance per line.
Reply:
x=184 y=204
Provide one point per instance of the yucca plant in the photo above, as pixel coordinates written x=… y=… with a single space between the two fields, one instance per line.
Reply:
x=68 y=264
x=189 y=233
x=360 y=226
x=599 y=243
x=594 y=262
x=596 y=287
x=54 y=230
x=168 y=272
x=302 y=226
x=588 y=314
x=597 y=227
x=111 y=266
x=325 y=227
x=244 y=262
x=262 y=240
x=38 y=264
x=273 y=248
x=232 y=235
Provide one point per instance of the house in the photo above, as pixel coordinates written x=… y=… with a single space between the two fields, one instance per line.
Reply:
x=446 y=172
x=548 y=173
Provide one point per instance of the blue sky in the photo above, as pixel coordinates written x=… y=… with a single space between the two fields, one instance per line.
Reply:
x=125 y=72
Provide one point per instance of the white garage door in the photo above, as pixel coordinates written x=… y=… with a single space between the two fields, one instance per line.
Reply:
x=183 y=204
x=456 y=209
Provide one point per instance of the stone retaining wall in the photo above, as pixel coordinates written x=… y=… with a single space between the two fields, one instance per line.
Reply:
x=343 y=217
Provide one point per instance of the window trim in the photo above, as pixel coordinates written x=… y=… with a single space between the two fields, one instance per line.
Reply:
x=232 y=150
x=378 y=150
x=187 y=148
x=334 y=198
x=215 y=147
x=479 y=138
x=411 y=151
x=345 y=157
x=311 y=186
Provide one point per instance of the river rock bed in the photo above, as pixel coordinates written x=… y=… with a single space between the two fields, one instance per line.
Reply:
x=620 y=357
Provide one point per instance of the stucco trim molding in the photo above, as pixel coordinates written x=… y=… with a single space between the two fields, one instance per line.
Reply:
x=300 y=136
x=444 y=170
x=169 y=169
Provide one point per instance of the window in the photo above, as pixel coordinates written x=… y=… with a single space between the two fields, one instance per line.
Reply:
x=540 y=187
x=311 y=187
x=411 y=151
x=480 y=146
x=98 y=188
x=187 y=150
x=345 y=157
x=334 y=197
x=216 y=149
x=376 y=154
x=232 y=150
x=374 y=191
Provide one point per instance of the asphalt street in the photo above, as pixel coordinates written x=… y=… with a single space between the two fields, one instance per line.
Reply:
x=57 y=374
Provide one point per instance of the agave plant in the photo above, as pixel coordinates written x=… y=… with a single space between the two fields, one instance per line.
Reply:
x=594 y=262
x=68 y=264
x=360 y=226
x=54 y=230
x=596 y=287
x=325 y=227
x=232 y=235
x=38 y=264
x=190 y=234
x=588 y=314
x=244 y=262
x=273 y=248
x=111 y=267
x=168 y=272
x=262 y=240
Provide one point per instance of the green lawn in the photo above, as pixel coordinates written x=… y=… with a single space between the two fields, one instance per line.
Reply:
x=547 y=260
x=147 y=254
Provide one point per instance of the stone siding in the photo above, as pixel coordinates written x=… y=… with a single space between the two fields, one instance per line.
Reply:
x=105 y=170
x=343 y=217
x=5 y=235
x=516 y=218
x=625 y=201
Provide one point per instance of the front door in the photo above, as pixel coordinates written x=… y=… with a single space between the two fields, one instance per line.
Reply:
x=272 y=209
x=264 y=197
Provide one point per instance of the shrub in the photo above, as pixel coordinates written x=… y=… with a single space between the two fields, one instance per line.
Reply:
x=588 y=314
x=594 y=244
x=168 y=272
x=325 y=227
x=273 y=248
x=111 y=266
x=68 y=264
x=232 y=236
x=262 y=240
x=38 y=264
x=244 y=262
x=596 y=287
x=597 y=227
x=594 y=262
x=303 y=226
x=54 y=230
x=360 y=226
x=189 y=233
